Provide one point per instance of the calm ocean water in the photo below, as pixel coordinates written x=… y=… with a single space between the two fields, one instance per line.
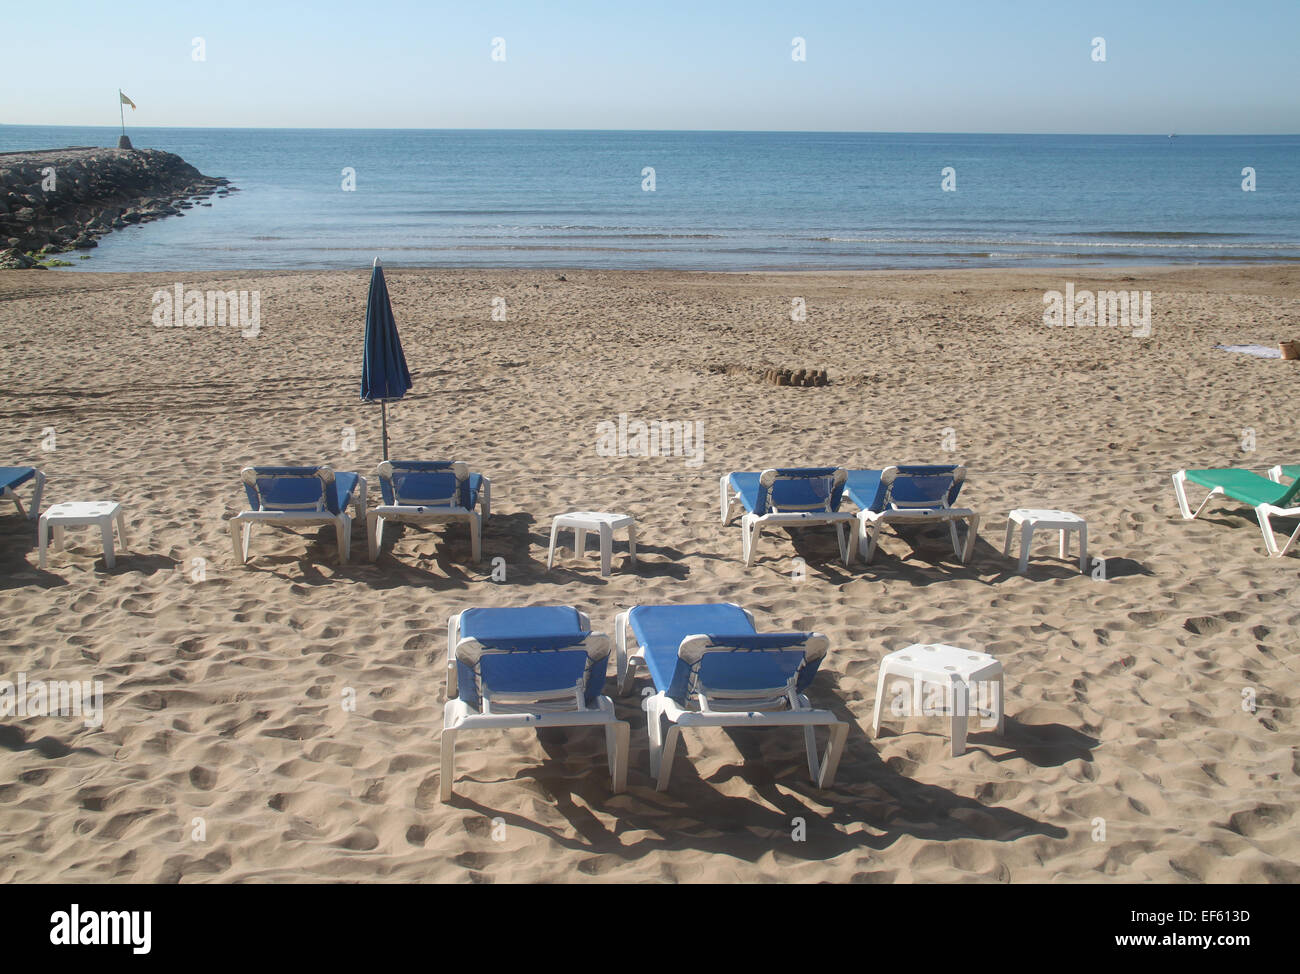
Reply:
x=721 y=200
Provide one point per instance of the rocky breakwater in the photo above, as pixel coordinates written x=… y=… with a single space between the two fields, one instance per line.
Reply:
x=66 y=199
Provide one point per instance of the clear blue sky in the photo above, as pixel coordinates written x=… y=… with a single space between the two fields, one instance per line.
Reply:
x=1186 y=66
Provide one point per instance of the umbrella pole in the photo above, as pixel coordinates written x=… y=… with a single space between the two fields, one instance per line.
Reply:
x=383 y=413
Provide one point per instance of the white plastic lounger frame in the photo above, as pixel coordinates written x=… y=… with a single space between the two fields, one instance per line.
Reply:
x=871 y=523
x=769 y=707
x=751 y=525
x=1264 y=513
x=1275 y=474
x=309 y=513
x=430 y=510
x=38 y=486
x=497 y=711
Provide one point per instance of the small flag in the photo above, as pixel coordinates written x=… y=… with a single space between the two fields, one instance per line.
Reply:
x=125 y=100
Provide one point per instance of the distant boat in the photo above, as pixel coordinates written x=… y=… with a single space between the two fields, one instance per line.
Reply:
x=1173 y=136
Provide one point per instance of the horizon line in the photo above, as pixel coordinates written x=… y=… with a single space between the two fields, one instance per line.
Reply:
x=703 y=131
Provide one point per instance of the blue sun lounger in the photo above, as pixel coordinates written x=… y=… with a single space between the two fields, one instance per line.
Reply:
x=11 y=477
x=710 y=668
x=910 y=494
x=298 y=495
x=539 y=666
x=786 y=497
x=430 y=492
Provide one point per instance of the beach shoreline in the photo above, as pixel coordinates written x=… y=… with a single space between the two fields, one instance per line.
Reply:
x=223 y=684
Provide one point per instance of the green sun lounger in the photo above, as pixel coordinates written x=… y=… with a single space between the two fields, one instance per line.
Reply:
x=1269 y=497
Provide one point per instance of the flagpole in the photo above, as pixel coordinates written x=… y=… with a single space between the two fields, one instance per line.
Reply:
x=121 y=111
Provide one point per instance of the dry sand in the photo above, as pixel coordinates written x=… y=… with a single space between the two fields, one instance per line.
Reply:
x=223 y=696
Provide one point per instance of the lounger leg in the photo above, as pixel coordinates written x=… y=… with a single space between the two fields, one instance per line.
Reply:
x=606 y=549
x=18 y=503
x=956 y=542
x=880 y=700
x=1266 y=526
x=834 y=749
x=972 y=532
x=655 y=732
x=960 y=716
x=872 y=539
x=841 y=535
x=623 y=679
x=42 y=539
x=616 y=738
x=453 y=636
x=341 y=532
x=448 y=759
x=485 y=499
x=106 y=530
x=374 y=533
x=550 y=551
x=235 y=526
x=810 y=746
x=121 y=531
x=1180 y=491
x=36 y=496
x=475 y=537
x=668 y=752
x=724 y=499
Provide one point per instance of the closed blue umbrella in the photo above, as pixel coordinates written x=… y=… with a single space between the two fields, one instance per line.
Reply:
x=384 y=376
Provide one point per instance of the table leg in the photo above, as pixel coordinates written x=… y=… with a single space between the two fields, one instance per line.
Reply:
x=106 y=529
x=1026 y=540
x=42 y=538
x=121 y=530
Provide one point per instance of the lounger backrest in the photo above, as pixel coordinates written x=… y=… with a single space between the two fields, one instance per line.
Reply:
x=290 y=488
x=735 y=669
x=546 y=671
x=817 y=489
x=1291 y=496
x=537 y=670
x=425 y=483
x=921 y=485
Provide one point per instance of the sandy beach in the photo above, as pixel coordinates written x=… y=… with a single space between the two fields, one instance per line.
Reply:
x=226 y=754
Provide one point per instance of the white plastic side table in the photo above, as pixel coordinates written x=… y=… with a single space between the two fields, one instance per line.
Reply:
x=102 y=513
x=957 y=671
x=601 y=523
x=1039 y=520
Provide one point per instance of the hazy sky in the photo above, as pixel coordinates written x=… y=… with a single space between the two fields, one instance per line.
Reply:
x=1183 y=66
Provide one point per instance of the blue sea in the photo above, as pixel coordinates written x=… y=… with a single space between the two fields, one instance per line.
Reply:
x=720 y=200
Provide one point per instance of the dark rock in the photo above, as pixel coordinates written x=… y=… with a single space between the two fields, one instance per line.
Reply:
x=85 y=242
x=25 y=215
